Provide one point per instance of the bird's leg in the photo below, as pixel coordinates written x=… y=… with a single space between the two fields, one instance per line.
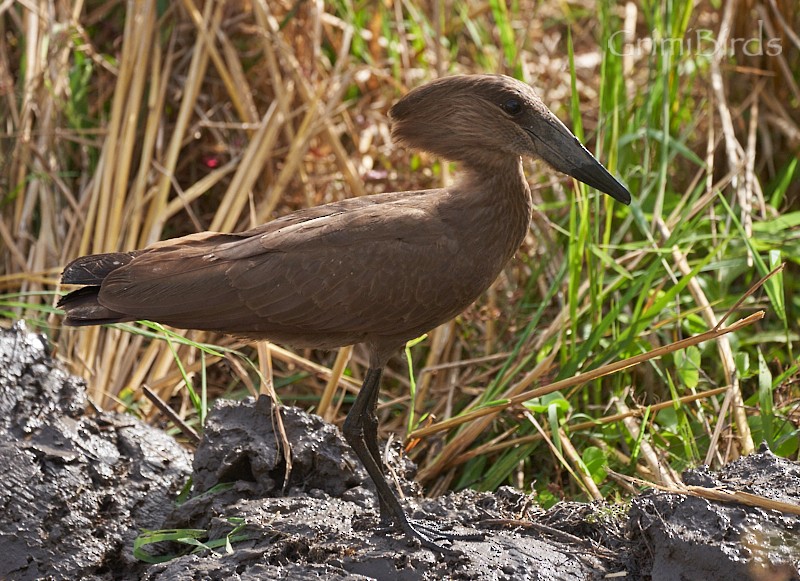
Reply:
x=370 y=419
x=361 y=432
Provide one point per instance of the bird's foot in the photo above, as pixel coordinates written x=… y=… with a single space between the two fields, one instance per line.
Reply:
x=428 y=536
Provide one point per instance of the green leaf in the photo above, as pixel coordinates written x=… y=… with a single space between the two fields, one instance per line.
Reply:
x=412 y=382
x=774 y=286
x=541 y=404
x=742 y=361
x=765 y=399
x=148 y=537
x=687 y=363
x=782 y=183
x=545 y=498
x=596 y=463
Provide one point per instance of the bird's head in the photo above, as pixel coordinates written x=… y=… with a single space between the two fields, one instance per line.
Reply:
x=483 y=120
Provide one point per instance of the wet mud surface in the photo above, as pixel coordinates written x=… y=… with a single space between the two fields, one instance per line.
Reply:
x=76 y=489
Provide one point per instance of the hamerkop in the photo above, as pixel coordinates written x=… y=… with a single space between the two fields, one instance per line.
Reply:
x=377 y=270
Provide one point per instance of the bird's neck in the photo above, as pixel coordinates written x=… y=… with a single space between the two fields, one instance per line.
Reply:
x=497 y=200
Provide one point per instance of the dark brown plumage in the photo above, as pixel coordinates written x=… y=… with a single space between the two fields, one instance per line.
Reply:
x=377 y=270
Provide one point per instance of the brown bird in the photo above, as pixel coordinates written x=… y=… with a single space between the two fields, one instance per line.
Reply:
x=378 y=270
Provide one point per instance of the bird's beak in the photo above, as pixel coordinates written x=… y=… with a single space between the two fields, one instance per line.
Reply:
x=556 y=145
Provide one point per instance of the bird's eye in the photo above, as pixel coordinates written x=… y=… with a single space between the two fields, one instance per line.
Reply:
x=512 y=106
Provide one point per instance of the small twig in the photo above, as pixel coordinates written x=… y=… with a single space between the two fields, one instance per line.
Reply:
x=185 y=428
x=720 y=495
x=547 y=530
x=749 y=292
x=742 y=497
x=268 y=389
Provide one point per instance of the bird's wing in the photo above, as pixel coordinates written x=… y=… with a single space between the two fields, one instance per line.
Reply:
x=363 y=270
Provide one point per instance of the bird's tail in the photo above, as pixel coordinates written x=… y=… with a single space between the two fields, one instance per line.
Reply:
x=82 y=306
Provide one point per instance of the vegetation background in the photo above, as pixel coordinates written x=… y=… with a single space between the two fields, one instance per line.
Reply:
x=124 y=123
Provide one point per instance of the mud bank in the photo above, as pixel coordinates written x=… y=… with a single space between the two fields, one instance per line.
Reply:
x=76 y=489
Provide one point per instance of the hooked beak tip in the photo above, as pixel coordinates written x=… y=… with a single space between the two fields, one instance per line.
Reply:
x=597 y=176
